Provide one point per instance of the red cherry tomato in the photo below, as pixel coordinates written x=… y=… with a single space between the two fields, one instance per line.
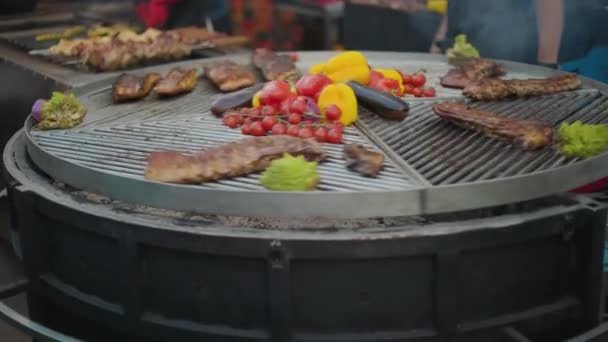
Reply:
x=298 y=105
x=334 y=136
x=231 y=121
x=407 y=88
x=407 y=79
x=285 y=106
x=417 y=92
x=387 y=85
x=293 y=130
x=321 y=134
x=338 y=126
x=279 y=129
x=429 y=92
x=375 y=76
x=268 y=111
x=333 y=112
x=312 y=85
x=274 y=92
x=305 y=132
x=418 y=80
x=246 y=129
x=294 y=119
x=247 y=121
x=268 y=122
x=255 y=111
x=257 y=129
x=293 y=56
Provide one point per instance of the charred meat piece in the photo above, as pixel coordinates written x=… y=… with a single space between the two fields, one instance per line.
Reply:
x=529 y=134
x=131 y=87
x=471 y=70
x=365 y=162
x=229 y=76
x=273 y=66
x=496 y=89
x=178 y=81
x=227 y=161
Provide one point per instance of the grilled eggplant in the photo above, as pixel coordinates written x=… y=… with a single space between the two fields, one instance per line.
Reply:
x=237 y=99
x=132 y=87
x=529 y=134
x=228 y=161
x=386 y=106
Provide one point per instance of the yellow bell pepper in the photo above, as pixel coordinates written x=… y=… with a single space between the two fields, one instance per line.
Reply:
x=393 y=75
x=255 y=101
x=342 y=96
x=346 y=66
x=316 y=69
x=437 y=6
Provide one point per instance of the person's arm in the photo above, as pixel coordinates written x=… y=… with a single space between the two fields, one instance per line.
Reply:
x=550 y=21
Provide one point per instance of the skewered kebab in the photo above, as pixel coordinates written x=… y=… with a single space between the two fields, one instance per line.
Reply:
x=529 y=134
x=470 y=71
x=132 y=87
x=490 y=89
x=228 y=75
x=227 y=161
x=177 y=81
x=273 y=66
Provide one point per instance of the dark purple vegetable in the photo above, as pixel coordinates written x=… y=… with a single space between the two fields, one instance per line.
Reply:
x=37 y=110
x=385 y=105
x=237 y=99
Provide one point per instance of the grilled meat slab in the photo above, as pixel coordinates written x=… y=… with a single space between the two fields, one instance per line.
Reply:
x=178 y=81
x=365 y=162
x=227 y=161
x=495 y=89
x=131 y=87
x=273 y=66
x=529 y=134
x=228 y=75
x=471 y=70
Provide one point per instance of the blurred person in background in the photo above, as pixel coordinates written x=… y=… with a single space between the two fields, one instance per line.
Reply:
x=543 y=32
x=168 y=14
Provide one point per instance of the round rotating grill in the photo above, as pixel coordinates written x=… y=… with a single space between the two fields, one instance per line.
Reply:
x=431 y=166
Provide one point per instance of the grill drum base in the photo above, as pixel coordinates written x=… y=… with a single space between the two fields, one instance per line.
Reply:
x=466 y=279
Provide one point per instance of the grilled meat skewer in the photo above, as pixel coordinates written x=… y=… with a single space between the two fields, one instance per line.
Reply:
x=273 y=66
x=365 y=162
x=178 y=80
x=529 y=134
x=227 y=161
x=131 y=87
x=228 y=75
x=471 y=71
x=489 y=89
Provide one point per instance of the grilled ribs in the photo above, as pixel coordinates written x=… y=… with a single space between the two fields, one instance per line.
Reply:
x=365 y=162
x=489 y=89
x=229 y=76
x=273 y=66
x=471 y=70
x=227 y=161
x=529 y=134
x=131 y=87
x=178 y=80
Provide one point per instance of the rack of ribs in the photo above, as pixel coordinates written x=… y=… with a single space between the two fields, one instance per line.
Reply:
x=273 y=66
x=529 y=134
x=491 y=89
x=228 y=75
x=227 y=161
x=470 y=71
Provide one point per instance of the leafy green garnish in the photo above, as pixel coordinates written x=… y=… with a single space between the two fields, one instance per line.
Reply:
x=462 y=49
x=579 y=140
x=61 y=111
x=290 y=174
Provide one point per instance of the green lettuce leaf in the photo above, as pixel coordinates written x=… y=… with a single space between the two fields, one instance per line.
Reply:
x=61 y=111
x=579 y=140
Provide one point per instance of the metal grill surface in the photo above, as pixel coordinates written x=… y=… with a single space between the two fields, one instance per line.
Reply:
x=446 y=154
